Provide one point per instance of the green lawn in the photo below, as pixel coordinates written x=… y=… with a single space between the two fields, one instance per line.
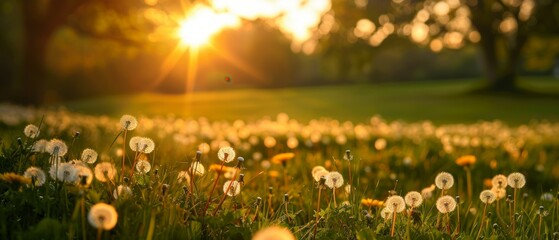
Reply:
x=441 y=102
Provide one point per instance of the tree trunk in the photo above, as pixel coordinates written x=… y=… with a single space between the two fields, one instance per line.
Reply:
x=33 y=85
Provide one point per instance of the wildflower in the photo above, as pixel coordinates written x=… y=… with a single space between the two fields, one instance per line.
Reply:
x=348 y=156
x=102 y=216
x=40 y=146
x=234 y=190
x=56 y=147
x=273 y=174
x=105 y=171
x=128 y=122
x=66 y=172
x=134 y=143
x=76 y=163
x=15 y=178
x=143 y=166
x=183 y=176
x=548 y=197
x=499 y=181
x=31 y=131
x=386 y=213
x=395 y=203
x=446 y=204
x=36 y=175
x=282 y=158
x=197 y=168
x=466 y=161
x=122 y=191
x=89 y=156
x=369 y=202
x=226 y=154
x=413 y=199
x=274 y=233
x=444 y=180
x=500 y=193
x=84 y=176
x=318 y=172
x=516 y=180
x=487 y=196
x=428 y=191
x=146 y=145
x=222 y=169
x=334 y=180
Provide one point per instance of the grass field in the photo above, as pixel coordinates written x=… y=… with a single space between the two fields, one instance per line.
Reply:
x=440 y=102
x=82 y=176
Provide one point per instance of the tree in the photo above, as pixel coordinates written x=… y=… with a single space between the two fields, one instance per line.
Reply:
x=500 y=28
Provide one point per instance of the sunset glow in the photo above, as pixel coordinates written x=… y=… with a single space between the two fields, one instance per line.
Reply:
x=202 y=24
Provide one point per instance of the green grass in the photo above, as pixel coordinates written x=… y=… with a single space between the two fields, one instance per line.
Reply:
x=441 y=102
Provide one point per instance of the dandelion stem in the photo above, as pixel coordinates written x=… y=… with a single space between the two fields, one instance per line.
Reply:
x=317 y=212
x=469 y=182
x=482 y=221
x=334 y=196
x=99 y=233
x=540 y=227
x=123 y=154
x=215 y=184
x=226 y=191
x=83 y=217
x=393 y=224
x=513 y=219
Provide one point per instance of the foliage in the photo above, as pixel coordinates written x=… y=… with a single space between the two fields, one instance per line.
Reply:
x=386 y=158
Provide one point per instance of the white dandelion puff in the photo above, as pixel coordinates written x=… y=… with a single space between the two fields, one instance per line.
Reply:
x=103 y=216
x=234 y=190
x=413 y=199
x=516 y=180
x=56 y=147
x=334 y=180
x=143 y=166
x=89 y=155
x=128 y=122
x=197 y=168
x=183 y=177
x=40 y=146
x=395 y=203
x=226 y=154
x=444 y=180
x=499 y=181
x=105 y=171
x=446 y=204
x=122 y=192
x=31 y=131
x=36 y=175
x=487 y=196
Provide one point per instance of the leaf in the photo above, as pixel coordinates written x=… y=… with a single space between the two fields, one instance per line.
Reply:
x=365 y=234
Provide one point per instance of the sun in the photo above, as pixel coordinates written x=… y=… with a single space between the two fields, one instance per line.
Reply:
x=202 y=24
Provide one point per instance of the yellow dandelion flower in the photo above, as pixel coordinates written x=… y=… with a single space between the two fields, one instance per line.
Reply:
x=15 y=178
x=282 y=157
x=466 y=161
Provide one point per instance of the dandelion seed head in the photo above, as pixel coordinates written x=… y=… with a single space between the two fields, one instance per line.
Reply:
x=146 y=145
x=395 y=203
x=183 y=176
x=226 y=154
x=77 y=163
x=234 y=190
x=320 y=174
x=446 y=204
x=197 y=168
x=128 y=122
x=84 y=176
x=56 y=147
x=36 y=175
x=516 y=180
x=273 y=233
x=386 y=213
x=428 y=191
x=499 y=181
x=413 y=199
x=89 y=155
x=67 y=172
x=500 y=193
x=40 y=146
x=444 y=180
x=134 y=143
x=31 y=131
x=105 y=171
x=143 y=166
x=487 y=196
x=334 y=180
x=102 y=216
x=122 y=191
x=548 y=197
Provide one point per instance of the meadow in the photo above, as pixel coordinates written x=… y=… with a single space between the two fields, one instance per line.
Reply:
x=75 y=174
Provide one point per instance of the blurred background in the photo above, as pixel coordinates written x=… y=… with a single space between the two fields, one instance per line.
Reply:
x=59 y=50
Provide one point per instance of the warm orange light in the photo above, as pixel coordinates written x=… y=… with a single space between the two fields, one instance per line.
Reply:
x=202 y=24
